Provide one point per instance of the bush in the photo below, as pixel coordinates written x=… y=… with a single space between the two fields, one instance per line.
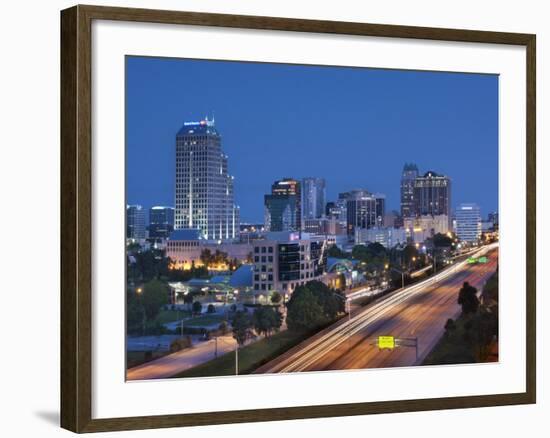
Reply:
x=180 y=344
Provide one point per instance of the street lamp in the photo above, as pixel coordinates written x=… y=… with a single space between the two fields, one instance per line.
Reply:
x=402 y=276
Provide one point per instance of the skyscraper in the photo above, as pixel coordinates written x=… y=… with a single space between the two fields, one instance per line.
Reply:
x=313 y=198
x=410 y=172
x=468 y=222
x=283 y=209
x=363 y=209
x=135 y=222
x=161 y=222
x=432 y=195
x=204 y=189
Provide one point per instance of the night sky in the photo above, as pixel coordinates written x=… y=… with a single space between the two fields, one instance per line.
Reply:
x=356 y=127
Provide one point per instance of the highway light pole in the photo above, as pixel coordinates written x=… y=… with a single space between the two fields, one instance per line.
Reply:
x=402 y=275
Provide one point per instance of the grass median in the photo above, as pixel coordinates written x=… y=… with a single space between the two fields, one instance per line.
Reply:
x=251 y=356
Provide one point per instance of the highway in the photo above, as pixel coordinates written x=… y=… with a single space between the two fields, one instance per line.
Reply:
x=418 y=311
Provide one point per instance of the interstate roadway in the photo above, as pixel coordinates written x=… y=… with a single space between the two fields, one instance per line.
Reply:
x=418 y=311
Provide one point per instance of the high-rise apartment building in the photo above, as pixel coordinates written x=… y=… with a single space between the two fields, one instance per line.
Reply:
x=283 y=210
x=135 y=222
x=408 y=177
x=204 y=188
x=313 y=198
x=468 y=222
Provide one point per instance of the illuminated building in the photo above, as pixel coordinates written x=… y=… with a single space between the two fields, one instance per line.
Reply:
x=468 y=222
x=283 y=211
x=135 y=222
x=285 y=260
x=185 y=247
x=420 y=228
x=432 y=195
x=364 y=210
x=386 y=236
x=408 y=177
x=204 y=189
x=313 y=198
x=161 y=222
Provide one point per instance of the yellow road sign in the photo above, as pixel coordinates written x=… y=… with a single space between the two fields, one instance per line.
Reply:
x=386 y=342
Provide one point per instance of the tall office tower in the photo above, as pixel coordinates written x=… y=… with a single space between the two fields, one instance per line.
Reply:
x=380 y=208
x=410 y=172
x=432 y=195
x=468 y=222
x=283 y=210
x=204 y=189
x=342 y=206
x=313 y=198
x=135 y=222
x=361 y=209
x=161 y=222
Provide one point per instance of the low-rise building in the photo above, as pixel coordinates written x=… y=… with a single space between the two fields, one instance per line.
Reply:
x=421 y=228
x=386 y=236
x=185 y=247
x=285 y=260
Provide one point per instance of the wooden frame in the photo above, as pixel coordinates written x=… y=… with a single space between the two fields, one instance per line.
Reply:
x=76 y=177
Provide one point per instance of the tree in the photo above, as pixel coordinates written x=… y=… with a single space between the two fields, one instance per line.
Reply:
x=442 y=241
x=266 y=320
x=313 y=305
x=327 y=298
x=467 y=298
x=336 y=252
x=188 y=300
x=153 y=296
x=135 y=315
x=206 y=257
x=211 y=308
x=242 y=326
x=276 y=297
x=197 y=308
x=304 y=312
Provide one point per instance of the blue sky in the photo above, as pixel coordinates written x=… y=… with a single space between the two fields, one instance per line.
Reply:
x=354 y=126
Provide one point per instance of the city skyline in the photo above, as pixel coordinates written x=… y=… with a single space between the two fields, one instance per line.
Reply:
x=150 y=170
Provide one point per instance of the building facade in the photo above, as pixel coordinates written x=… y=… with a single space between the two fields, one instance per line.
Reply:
x=286 y=260
x=364 y=210
x=283 y=207
x=135 y=222
x=421 y=228
x=468 y=222
x=313 y=198
x=161 y=222
x=185 y=247
x=204 y=188
x=386 y=236
x=432 y=195
x=408 y=177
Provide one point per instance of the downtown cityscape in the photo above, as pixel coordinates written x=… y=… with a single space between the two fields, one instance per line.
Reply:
x=325 y=280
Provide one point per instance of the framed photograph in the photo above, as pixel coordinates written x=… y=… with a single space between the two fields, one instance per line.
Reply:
x=270 y=218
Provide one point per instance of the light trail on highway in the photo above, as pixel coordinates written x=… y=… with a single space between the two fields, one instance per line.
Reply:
x=312 y=353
